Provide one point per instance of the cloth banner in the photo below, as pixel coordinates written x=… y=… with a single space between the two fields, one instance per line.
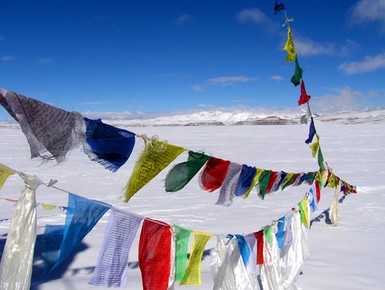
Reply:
x=59 y=242
x=154 y=254
x=245 y=181
x=214 y=174
x=17 y=258
x=181 y=248
x=304 y=97
x=251 y=264
x=227 y=268
x=107 y=145
x=278 y=6
x=305 y=211
x=5 y=172
x=156 y=156
x=263 y=182
x=333 y=212
x=193 y=270
x=112 y=263
x=260 y=246
x=312 y=132
x=289 y=46
x=182 y=173
x=227 y=190
x=298 y=71
x=51 y=132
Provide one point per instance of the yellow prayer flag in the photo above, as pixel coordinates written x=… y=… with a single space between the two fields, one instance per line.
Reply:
x=193 y=270
x=315 y=146
x=4 y=173
x=48 y=206
x=304 y=207
x=289 y=46
x=156 y=156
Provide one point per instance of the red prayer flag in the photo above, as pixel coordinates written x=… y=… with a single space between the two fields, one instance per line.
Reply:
x=154 y=254
x=304 y=98
x=260 y=244
x=214 y=173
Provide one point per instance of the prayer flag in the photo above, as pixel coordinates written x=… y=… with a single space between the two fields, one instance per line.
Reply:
x=154 y=254
x=228 y=187
x=4 y=173
x=260 y=245
x=107 y=145
x=296 y=78
x=181 y=248
x=214 y=174
x=289 y=46
x=17 y=258
x=280 y=231
x=254 y=182
x=278 y=6
x=245 y=180
x=182 y=173
x=51 y=132
x=304 y=97
x=312 y=132
x=315 y=146
x=112 y=263
x=193 y=271
x=156 y=156
x=60 y=242
x=304 y=210
x=263 y=183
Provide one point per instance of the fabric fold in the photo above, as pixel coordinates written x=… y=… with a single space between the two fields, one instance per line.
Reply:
x=227 y=190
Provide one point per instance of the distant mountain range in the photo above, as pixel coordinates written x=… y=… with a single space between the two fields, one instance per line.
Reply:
x=229 y=117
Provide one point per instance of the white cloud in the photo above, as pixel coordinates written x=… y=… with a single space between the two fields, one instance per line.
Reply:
x=276 y=78
x=197 y=88
x=368 y=64
x=229 y=80
x=309 y=47
x=183 y=19
x=368 y=11
x=7 y=58
x=255 y=15
x=344 y=99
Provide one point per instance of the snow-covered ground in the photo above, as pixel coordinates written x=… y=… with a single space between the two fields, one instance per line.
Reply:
x=349 y=256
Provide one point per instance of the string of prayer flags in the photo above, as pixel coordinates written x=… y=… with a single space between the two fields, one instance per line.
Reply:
x=181 y=174
x=181 y=248
x=17 y=259
x=154 y=254
x=112 y=263
x=227 y=190
x=278 y=6
x=289 y=46
x=193 y=270
x=5 y=172
x=155 y=157
x=51 y=132
x=214 y=174
x=298 y=71
x=304 y=97
x=106 y=144
x=59 y=242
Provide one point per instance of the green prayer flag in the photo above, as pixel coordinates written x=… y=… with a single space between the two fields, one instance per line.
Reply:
x=181 y=249
x=263 y=183
x=296 y=78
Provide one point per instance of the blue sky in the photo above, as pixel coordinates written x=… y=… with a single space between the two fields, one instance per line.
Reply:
x=157 y=56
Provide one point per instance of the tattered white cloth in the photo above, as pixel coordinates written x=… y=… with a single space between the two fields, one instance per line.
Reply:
x=17 y=259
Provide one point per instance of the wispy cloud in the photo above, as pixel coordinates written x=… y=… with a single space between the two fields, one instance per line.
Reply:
x=197 y=88
x=229 y=80
x=309 y=47
x=368 y=64
x=45 y=60
x=94 y=103
x=368 y=11
x=276 y=78
x=343 y=99
x=183 y=19
x=255 y=15
x=7 y=58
